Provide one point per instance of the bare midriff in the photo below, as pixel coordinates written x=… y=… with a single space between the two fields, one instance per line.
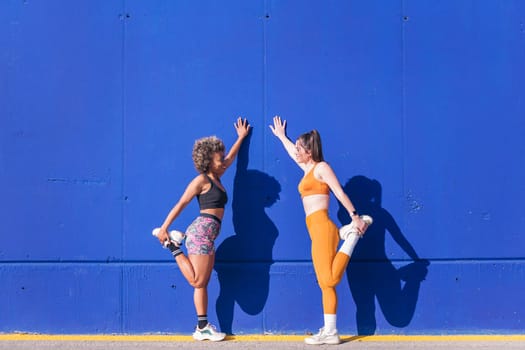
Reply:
x=315 y=202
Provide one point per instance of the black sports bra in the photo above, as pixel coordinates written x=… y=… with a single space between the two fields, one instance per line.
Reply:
x=214 y=198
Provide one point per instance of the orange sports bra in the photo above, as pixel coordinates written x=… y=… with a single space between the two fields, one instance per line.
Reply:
x=310 y=185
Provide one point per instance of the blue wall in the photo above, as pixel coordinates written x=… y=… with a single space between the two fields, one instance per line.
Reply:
x=420 y=106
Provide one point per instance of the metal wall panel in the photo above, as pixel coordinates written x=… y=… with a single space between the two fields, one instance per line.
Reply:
x=419 y=104
x=62 y=130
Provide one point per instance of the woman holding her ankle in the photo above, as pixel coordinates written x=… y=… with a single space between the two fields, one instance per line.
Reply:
x=210 y=162
x=329 y=263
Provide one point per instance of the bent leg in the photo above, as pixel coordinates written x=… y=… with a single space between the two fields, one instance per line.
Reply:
x=329 y=265
x=186 y=267
x=329 y=273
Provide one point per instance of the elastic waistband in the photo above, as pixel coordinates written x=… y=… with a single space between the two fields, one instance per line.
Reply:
x=316 y=214
x=211 y=216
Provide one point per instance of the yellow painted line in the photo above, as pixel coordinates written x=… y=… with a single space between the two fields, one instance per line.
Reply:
x=261 y=338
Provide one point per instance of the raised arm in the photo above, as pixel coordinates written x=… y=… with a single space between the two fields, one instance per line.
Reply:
x=243 y=128
x=279 y=130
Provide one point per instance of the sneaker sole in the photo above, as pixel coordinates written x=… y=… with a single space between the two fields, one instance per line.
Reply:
x=347 y=229
x=367 y=219
x=176 y=237
x=202 y=338
x=331 y=342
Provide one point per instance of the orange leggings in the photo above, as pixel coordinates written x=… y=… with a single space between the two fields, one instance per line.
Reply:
x=329 y=264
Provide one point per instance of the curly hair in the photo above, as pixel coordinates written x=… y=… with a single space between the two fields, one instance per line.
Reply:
x=203 y=150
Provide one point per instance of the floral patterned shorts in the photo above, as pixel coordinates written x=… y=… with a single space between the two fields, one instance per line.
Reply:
x=201 y=234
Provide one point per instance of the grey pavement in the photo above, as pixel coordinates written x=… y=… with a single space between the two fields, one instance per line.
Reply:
x=349 y=343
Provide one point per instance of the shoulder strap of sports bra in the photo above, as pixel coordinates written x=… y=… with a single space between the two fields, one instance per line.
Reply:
x=312 y=170
x=209 y=179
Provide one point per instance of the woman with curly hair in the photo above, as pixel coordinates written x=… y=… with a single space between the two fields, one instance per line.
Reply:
x=210 y=162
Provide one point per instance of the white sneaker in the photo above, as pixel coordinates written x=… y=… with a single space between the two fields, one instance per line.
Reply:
x=176 y=237
x=346 y=230
x=208 y=333
x=323 y=337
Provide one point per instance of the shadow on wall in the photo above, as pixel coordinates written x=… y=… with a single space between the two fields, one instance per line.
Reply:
x=244 y=259
x=371 y=275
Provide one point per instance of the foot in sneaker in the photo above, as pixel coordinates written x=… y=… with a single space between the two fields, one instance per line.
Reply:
x=208 y=333
x=176 y=237
x=346 y=230
x=323 y=337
